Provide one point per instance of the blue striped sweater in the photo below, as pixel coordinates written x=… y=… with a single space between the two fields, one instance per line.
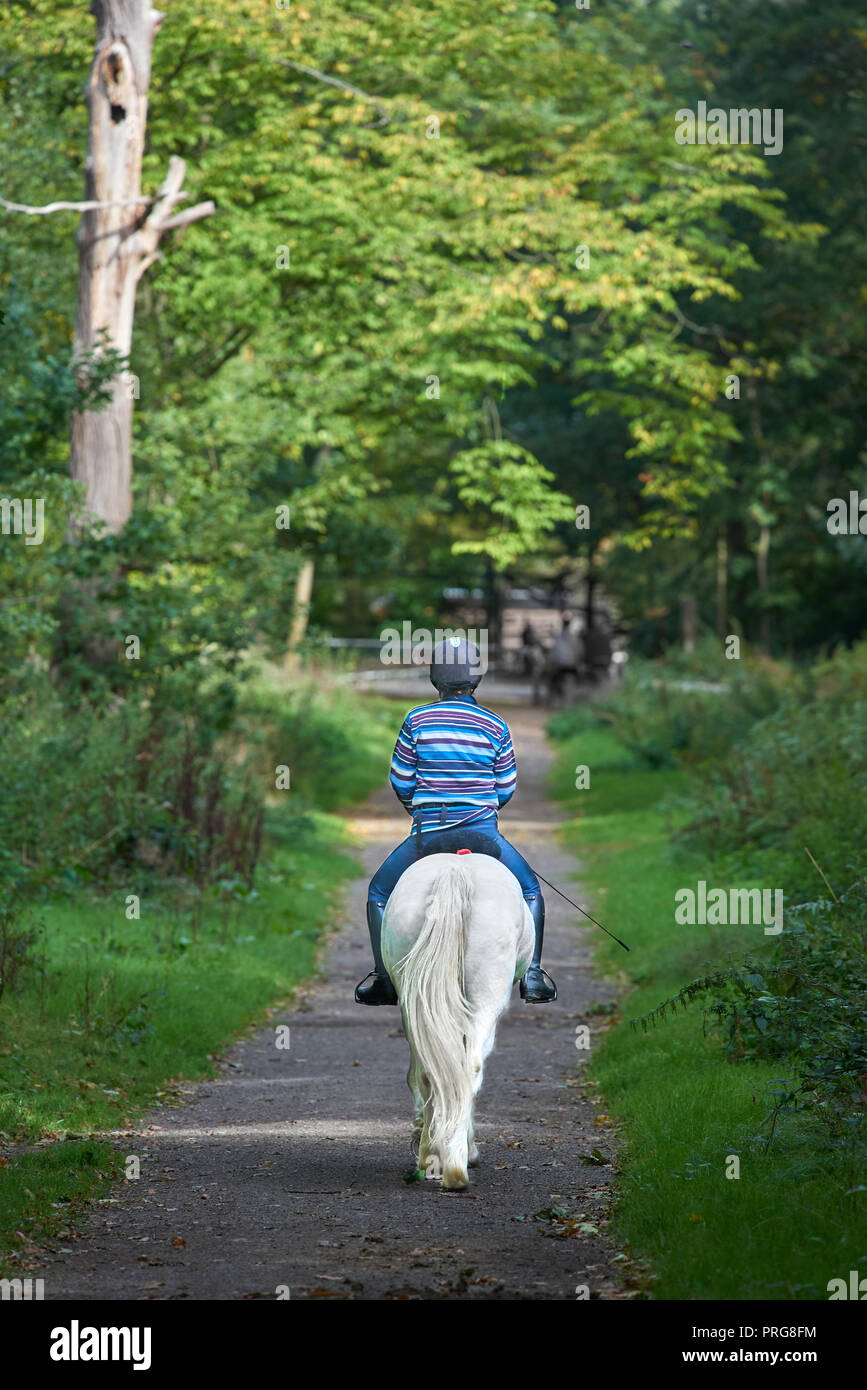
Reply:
x=455 y=755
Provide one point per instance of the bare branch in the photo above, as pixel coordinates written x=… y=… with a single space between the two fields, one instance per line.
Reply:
x=168 y=192
x=183 y=219
x=713 y=331
x=681 y=168
x=75 y=207
x=337 y=82
x=145 y=262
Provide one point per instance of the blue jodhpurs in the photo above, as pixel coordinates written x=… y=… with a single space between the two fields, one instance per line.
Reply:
x=386 y=876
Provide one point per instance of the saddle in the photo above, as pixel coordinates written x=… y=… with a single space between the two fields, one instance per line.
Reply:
x=453 y=841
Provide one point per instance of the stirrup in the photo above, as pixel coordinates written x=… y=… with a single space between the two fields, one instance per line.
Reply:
x=548 y=986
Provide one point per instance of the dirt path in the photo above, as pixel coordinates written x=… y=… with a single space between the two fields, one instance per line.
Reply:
x=287 y=1170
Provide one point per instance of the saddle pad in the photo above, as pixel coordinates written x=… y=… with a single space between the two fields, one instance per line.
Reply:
x=450 y=841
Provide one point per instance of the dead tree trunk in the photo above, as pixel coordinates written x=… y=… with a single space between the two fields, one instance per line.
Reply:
x=117 y=241
x=688 y=621
x=300 y=612
x=762 y=577
x=722 y=578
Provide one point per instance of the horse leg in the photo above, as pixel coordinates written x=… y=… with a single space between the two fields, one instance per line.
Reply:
x=463 y=1151
x=455 y=1158
x=485 y=1028
x=472 y=1146
x=428 y=1158
x=413 y=1081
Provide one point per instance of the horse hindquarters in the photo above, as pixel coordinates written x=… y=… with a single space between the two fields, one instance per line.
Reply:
x=437 y=1020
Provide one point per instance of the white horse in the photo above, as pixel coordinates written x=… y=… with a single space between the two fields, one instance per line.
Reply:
x=456 y=936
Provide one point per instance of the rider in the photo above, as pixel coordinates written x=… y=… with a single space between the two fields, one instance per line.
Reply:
x=453 y=765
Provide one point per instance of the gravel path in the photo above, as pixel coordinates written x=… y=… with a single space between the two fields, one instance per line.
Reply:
x=286 y=1172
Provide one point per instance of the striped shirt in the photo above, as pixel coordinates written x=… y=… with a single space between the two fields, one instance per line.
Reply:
x=453 y=763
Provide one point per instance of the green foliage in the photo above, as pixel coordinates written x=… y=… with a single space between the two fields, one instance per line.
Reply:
x=796 y=1214
x=135 y=790
x=509 y=483
x=119 y=1011
x=455 y=257
x=42 y=388
x=686 y=708
x=794 y=783
x=793 y=330
x=806 y=1007
x=99 y=1010
x=335 y=745
x=785 y=802
x=99 y=793
x=45 y=1194
x=285 y=347
x=777 y=782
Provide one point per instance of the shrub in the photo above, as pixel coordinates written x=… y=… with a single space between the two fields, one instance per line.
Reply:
x=796 y=782
x=786 y=801
x=685 y=708
x=334 y=744
x=92 y=790
x=805 y=1008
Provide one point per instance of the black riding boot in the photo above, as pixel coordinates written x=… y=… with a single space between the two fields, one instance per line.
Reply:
x=537 y=987
x=380 y=990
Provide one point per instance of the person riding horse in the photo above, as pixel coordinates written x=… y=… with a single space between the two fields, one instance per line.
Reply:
x=453 y=765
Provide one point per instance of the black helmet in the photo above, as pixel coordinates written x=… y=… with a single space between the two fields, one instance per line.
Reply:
x=456 y=665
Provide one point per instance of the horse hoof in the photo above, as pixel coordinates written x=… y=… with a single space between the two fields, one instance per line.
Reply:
x=455 y=1180
x=473 y=1160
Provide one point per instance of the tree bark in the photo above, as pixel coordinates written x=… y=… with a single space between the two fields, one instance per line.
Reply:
x=117 y=241
x=300 y=612
x=722 y=575
x=762 y=577
x=688 y=621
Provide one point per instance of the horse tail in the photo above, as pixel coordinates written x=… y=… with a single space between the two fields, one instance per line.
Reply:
x=437 y=1013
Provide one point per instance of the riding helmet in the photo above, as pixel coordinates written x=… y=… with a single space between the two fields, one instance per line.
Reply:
x=456 y=665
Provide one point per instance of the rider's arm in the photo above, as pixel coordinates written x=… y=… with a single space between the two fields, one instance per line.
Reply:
x=403 y=766
x=505 y=770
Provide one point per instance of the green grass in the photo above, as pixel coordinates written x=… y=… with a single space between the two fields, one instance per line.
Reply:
x=117 y=1012
x=108 y=1014
x=790 y=1222
x=43 y=1194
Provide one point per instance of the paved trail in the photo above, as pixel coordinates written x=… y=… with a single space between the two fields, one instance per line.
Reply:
x=287 y=1170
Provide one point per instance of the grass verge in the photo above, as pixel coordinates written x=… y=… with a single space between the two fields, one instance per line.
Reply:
x=794 y=1218
x=119 y=1012
x=118 y=994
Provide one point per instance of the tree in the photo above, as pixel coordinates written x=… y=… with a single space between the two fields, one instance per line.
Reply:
x=403 y=198
x=797 y=326
x=117 y=240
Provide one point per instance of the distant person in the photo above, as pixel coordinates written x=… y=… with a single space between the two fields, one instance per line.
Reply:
x=532 y=653
x=563 y=657
x=597 y=651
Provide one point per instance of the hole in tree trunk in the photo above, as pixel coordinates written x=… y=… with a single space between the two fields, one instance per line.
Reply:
x=118 y=114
